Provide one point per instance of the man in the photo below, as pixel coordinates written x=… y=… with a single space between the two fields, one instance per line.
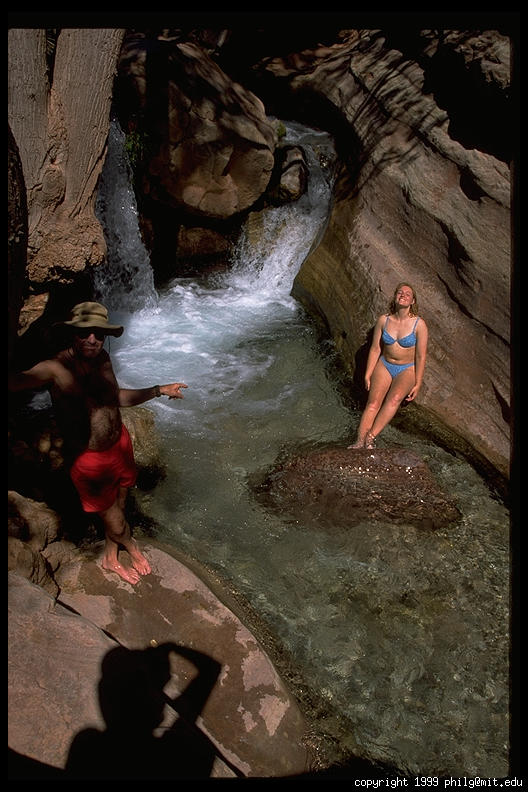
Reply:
x=87 y=398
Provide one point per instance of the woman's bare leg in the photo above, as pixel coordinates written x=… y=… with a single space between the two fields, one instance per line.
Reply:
x=117 y=533
x=380 y=384
x=400 y=387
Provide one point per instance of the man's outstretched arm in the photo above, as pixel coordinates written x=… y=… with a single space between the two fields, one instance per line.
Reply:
x=38 y=376
x=130 y=398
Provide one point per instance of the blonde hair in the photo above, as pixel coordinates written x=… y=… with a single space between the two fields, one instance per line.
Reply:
x=413 y=309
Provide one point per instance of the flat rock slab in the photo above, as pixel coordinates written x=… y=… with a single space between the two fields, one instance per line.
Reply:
x=163 y=666
x=349 y=486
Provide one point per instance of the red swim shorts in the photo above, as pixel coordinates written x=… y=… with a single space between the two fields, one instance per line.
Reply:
x=97 y=475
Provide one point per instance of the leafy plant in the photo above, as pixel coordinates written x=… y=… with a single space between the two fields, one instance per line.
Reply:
x=136 y=148
x=281 y=130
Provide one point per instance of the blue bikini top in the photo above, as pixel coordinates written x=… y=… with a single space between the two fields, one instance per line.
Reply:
x=406 y=341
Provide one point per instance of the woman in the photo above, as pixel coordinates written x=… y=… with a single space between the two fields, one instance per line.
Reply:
x=395 y=364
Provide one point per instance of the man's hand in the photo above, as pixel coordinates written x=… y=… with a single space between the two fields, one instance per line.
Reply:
x=173 y=390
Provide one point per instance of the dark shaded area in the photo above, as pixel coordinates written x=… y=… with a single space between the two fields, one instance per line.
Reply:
x=132 y=700
x=20 y=768
x=480 y=111
x=17 y=237
x=36 y=466
x=353 y=768
x=285 y=24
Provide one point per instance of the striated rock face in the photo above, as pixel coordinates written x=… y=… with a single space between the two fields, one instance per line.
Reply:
x=418 y=201
x=59 y=117
x=17 y=237
x=348 y=486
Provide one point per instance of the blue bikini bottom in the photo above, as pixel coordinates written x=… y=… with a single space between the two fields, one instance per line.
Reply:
x=395 y=368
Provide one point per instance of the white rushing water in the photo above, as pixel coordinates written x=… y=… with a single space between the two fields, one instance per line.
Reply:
x=397 y=662
x=127 y=279
x=216 y=335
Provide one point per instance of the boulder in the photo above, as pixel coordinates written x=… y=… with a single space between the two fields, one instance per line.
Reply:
x=292 y=178
x=30 y=564
x=338 y=486
x=141 y=425
x=209 y=147
x=31 y=522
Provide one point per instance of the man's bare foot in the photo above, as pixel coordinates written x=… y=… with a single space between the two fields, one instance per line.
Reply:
x=130 y=575
x=139 y=562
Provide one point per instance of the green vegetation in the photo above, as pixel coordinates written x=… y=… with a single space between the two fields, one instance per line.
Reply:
x=281 y=130
x=136 y=148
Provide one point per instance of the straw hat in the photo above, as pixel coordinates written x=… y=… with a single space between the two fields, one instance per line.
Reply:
x=93 y=314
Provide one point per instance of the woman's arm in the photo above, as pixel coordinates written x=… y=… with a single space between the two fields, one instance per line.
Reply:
x=374 y=351
x=422 y=336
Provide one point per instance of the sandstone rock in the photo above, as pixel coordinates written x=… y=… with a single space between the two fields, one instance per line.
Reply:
x=215 y=156
x=236 y=718
x=32 y=309
x=17 y=236
x=61 y=161
x=200 y=244
x=54 y=660
x=293 y=175
x=141 y=424
x=31 y=522
x=30 y=564
x=348 y=486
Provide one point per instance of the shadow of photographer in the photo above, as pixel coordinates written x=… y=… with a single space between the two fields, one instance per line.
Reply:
x=133 y=703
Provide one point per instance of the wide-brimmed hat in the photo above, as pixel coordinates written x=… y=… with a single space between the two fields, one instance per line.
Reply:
x=92 y=314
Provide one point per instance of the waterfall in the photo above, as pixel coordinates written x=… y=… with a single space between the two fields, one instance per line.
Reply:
x=125 y=282
x=197 y=330
x=286 y=234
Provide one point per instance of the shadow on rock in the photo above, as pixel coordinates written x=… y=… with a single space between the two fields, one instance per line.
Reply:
x=20 y=767
x=132 y=701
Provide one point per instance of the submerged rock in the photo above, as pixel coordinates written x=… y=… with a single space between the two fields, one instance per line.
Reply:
x=348 y=486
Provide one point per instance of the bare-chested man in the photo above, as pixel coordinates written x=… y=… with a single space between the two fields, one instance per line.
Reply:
x=87 y=398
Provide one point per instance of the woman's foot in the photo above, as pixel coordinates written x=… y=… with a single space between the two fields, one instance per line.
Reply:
x=360 y=443
x=370 y=441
